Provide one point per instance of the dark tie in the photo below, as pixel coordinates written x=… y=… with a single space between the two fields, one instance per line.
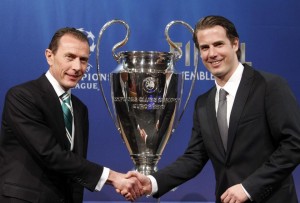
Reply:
x=66 y=107
x=222 y=117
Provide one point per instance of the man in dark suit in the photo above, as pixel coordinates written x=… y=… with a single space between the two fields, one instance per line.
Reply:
x=255 y=161
x=38 y=162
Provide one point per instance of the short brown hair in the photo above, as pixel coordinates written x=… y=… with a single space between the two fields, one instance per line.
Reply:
x=53 y=46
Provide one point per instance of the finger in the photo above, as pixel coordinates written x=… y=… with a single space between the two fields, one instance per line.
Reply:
x=124 y=193
x=227 y=199
x=138 y=187
x=129 y=197
x=232 y=201
x=224 y=195
x=131 y=174
x=133 y=192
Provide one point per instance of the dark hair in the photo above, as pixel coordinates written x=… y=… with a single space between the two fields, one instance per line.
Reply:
x=53 y=46
x=211 y=21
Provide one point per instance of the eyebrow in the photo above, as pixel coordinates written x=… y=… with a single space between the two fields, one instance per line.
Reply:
x=84 y=58
x=214 y=43
x=74 y=56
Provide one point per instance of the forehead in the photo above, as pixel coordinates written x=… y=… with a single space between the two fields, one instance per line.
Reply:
x=209 y=35
x=69 y=42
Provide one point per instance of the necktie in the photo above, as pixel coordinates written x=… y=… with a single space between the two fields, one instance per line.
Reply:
x=222 y=117
x=165 y=90
x=68 y=118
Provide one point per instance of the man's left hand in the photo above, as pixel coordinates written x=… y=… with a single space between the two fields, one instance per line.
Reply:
x=234 y=194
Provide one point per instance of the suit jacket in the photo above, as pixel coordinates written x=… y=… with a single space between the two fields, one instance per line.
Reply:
x=263 y=141
x=36 y=165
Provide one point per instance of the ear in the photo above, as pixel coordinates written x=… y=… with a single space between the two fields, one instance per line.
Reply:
x=236 y=44
x=49 y=56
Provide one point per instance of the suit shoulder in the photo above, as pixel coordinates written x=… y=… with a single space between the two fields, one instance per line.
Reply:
x=28 y=87
x=270 y=78
x=201 y=99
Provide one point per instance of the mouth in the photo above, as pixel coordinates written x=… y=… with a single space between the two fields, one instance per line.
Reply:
x=215 y=63
x=74 y=77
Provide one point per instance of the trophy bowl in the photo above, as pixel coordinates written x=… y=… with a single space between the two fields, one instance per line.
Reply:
x=146 y=94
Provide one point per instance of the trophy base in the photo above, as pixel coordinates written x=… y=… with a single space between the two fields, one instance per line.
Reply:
x=146 y=170
x=145 y=164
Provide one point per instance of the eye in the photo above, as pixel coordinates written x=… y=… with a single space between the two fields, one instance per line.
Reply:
x=70 y=57
x=218 y=44
x=203 y=48
x=84 y=60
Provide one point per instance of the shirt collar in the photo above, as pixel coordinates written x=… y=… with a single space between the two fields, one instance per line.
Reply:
x=233 y=83
x=58 y=89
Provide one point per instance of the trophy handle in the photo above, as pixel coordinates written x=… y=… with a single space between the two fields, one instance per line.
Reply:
x=116 y=57
x=178 y=56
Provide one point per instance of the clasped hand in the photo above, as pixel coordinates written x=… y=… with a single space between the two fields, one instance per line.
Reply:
x=132 y=185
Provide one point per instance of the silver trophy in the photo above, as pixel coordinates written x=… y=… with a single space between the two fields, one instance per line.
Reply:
x=146 y=95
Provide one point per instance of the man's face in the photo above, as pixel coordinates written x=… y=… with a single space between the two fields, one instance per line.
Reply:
x=70 y=61
x=218 y=54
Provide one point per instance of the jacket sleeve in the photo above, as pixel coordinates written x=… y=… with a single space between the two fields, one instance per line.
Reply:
x=25 y=117
x=186 y=166
x=283 y=116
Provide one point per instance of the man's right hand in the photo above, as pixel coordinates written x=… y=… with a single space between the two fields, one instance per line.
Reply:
x=129 y=187
x=144 y=180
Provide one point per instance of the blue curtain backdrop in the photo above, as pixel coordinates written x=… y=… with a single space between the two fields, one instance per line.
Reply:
x=269 y=31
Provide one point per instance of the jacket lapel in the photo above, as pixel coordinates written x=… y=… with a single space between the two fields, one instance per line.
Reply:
x=238 y=105
x=78 y=138
x=55 y=109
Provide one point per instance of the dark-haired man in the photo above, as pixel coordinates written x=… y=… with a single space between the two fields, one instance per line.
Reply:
x=253 y=142
x=44 y=133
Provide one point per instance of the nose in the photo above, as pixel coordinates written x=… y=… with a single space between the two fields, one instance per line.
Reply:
x=212 y=52
x=76 y=64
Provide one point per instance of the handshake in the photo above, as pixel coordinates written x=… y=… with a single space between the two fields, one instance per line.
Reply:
x=131 y=185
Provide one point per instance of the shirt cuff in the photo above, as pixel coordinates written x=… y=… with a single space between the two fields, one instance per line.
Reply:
x=153 y=184
x=248 y=195
x=103 y=179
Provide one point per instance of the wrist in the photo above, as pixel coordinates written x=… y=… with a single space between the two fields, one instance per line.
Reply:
x=112 y=177
x=152 y=186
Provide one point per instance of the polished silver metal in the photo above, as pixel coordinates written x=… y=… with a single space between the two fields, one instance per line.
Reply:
x=146 y=92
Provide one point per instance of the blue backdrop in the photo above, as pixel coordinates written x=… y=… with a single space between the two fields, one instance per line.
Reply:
x=269 y=32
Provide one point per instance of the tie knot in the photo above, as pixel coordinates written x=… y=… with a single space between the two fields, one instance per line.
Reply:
x=222 y=95
x=65 y=97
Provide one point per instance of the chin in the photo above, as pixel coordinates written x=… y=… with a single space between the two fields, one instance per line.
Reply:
x=70 y=85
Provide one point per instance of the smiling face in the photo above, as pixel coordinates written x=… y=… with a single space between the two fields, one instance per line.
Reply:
x=69 y=62
x=218 y=53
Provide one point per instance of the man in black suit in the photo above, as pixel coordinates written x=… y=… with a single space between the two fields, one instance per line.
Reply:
x=255 y=161
x=38 y=162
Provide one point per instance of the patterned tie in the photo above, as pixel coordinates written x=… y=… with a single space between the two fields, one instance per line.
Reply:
x=66 y=107
x=222 y=117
